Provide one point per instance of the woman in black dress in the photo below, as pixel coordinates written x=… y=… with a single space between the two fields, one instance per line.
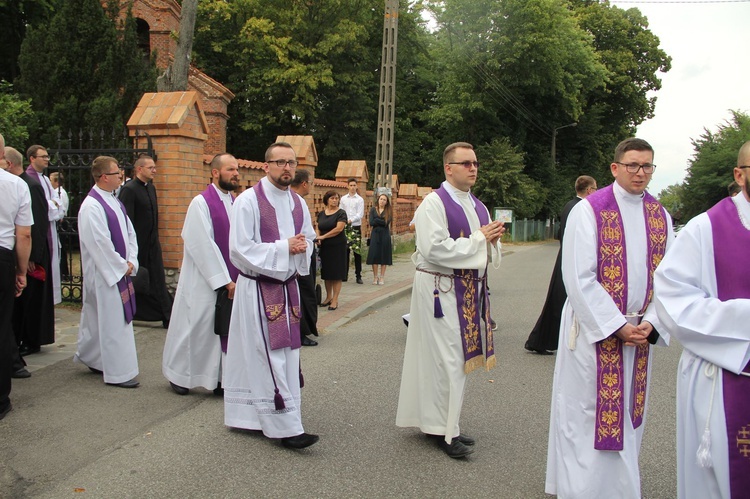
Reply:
x=380 y=253
x=332 y=241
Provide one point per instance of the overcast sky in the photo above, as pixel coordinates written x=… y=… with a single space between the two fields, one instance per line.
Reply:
x=709 y=44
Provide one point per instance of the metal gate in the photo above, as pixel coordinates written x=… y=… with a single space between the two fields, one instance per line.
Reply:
x=73 y=158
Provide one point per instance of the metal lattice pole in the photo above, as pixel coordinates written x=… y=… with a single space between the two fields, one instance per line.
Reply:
x=387 y=102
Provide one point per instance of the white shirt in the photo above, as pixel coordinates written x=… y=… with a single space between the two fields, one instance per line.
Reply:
x=15 y=208
x=354 y=206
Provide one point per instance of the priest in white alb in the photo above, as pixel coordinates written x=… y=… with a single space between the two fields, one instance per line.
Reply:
x=448 y=334
x=270 y=243
x=613 y=241
x=109 y=250
x=702 y=293
x=192 y=351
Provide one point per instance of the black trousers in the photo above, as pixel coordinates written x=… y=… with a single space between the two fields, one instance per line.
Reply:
x=357 y=257
x=7 y=339
x=308 y=300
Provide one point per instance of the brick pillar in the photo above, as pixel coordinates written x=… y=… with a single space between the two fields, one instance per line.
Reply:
x=178 y=130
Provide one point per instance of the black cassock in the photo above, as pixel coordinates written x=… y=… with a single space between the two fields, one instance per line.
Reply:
x=140 y=203
x=308 y=300
x=546 y=332
x=34 y=310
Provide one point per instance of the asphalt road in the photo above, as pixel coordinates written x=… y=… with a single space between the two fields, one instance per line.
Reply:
x=71 y=436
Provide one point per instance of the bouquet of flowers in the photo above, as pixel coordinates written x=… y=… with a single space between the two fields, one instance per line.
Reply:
x=353 y=238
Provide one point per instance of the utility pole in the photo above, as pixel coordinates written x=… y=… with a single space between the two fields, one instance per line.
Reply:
x=554 y=136
x=387 y=102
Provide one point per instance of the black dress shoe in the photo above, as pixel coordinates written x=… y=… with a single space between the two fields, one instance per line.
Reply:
x=455 y=449
x=95 y=371
x=300 y=441
x=25 y=350
x=333 y=308
x=464 y=439
x=179 y=390
x=325 y=304
x=307 y=342
x=165 y=324
x=538 y=351
x=5 y=411
x=219 y=391
x=359 y=280
x=131 y=383
x=21 y=373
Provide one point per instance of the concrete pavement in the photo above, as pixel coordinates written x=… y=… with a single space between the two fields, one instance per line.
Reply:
x=69 y=435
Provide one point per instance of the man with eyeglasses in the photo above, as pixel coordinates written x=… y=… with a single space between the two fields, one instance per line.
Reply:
x=544 y=335
x=193 y=351
x=613 y=242
x=109 y=259
x=448 y=333
x=270 y=242
x=702 y=294
x=139 y=198
x=38 y=162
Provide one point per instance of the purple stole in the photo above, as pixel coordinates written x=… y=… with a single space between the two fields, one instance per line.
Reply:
x=30 y=171
x=471 y=290
x=220 y=223
x=612 y=274
x=124 y=285
x=731 y=240
x=275 y=295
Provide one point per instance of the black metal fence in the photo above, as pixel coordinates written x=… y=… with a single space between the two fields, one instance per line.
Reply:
x=72 y=159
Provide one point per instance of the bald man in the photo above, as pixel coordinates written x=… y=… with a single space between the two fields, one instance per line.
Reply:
x=702 y=294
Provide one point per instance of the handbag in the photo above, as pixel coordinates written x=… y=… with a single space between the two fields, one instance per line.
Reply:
x=222 y=312
x=141 y=281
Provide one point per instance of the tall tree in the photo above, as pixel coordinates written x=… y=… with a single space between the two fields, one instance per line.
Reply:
x=15 y=116
x=175 y=77
x=92 y=80
x=710 y=169
x=16 y=16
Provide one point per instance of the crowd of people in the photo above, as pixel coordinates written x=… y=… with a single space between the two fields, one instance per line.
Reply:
x=622 y=283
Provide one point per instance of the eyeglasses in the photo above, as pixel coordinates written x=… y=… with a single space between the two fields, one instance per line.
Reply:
x=634 y=167
x=744 y=166
x=46 y=156
x=466 y=164
x=110 y=173
x=281 y=163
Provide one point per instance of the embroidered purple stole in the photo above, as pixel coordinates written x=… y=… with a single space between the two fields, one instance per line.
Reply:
x=612 y=274
x=124 y=285
x=277 y=296
x=731 y=240
x=471 y=291
x=34 y=174
x=220 y=223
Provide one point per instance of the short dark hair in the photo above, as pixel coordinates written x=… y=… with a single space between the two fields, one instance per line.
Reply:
x=350 y=180
x=456 y=145
x=328 y=195
x=584 y=182
x=631 y=144
x=301 y=176
x=274 y=146
x=31 y=151
x=141 y=160
x=216 y=160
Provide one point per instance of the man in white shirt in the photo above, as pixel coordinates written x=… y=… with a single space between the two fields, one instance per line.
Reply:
x=354 y=206
x=15 y=245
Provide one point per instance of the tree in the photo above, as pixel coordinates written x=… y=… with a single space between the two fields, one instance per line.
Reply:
x=175 y=77
x=502 y=181
x=15 y=115
x=671 y=199
x=92 y=80
x=710 y=169
x=16 y=16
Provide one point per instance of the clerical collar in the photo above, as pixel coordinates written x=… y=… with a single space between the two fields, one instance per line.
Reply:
x=457 y=194
x=141 y=181
x=743 y=209
x=621 y=193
